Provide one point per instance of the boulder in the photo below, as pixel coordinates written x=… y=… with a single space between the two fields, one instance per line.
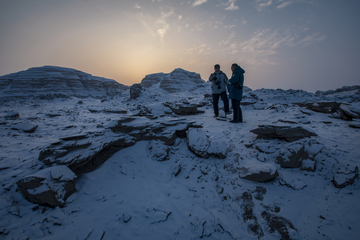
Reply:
x=288 y=133
x=292 y=156
x=343 y=179
x=217 y=148
x=51 y=186
x=135 y=91
x=198 y=142
x=258 y=172
x=158 y=151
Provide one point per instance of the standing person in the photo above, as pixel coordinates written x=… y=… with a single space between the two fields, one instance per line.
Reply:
x=219 y=84
x=236 y=91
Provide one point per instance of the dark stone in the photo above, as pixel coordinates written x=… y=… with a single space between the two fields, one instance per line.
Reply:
x=292 y=158
x=288 y=133
x=324 y=107
x=135 y=91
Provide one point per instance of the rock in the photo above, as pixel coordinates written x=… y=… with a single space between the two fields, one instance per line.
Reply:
x=291 y=180
x=26 y=127
x=343 y=179
x=292 y=156
x=308 y=165
x=53 y=114
x=74 y=137
x=348 y=112
x=217 y=148
x=324 y=107
x=198 y=142
x=58 y=82
x=126 y=217
x=288 y=133
x=178 y=80
x=176 y=171
x=135 y=91
x=284 y=227
x=258 y=172
x=354 y=125
x=51 y=186
x=158 y=151
x=183 y=109
x=12 y=115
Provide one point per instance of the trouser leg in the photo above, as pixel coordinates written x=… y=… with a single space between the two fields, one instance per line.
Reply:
x=236 y=108
x=216 y=104
x=240 y=114
x=225 y=99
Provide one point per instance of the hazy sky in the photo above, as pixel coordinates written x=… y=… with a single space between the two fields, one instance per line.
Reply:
x=299 y=44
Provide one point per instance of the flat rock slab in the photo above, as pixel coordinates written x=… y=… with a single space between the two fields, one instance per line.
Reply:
x=258 y=172
x=288 y=133
x=26 y=127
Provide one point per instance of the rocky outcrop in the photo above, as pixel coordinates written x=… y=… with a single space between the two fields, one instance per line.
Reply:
x=84 y=153
x=51 y=186
x=57 y=81
x=288 y=133
x=178 y=80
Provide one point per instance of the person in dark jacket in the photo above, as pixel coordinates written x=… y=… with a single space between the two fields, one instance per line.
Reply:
x=219 y=85
x=236 y=91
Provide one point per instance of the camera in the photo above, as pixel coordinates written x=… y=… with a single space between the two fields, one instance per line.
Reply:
x=218 y=84
x=214 y=78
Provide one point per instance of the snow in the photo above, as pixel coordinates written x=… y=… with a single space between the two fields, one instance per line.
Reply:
x=131 y=196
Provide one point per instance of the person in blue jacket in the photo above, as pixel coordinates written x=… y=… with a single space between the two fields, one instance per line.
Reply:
x=236 y=91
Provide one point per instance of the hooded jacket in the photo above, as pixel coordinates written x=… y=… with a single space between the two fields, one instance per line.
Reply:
x=237 y=76
x=221 y=81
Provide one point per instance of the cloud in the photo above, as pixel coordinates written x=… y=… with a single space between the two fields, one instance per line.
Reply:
x=231 y=5
x=311 y=39
x=163 y=23
x=199 y=2
x=137 y=6
x=262 y=4
x=284 y=4
x=180 y=17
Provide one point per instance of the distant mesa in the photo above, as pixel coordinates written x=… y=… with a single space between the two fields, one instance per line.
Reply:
x=59 y=81
x=178 y=80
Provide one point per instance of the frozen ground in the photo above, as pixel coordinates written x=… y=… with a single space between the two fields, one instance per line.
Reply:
x=133 y=196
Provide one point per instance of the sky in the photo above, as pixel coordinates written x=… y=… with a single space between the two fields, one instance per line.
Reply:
x=289 y=44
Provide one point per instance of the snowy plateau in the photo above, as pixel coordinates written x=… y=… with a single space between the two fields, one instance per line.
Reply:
x=84 y=157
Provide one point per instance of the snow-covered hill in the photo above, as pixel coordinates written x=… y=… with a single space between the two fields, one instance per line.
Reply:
x=51 y=81
x=162 y=167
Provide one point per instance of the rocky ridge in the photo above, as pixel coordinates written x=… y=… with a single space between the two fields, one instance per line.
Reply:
x=52 y=82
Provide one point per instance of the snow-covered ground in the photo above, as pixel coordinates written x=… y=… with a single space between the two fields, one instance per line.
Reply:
x=134 y=196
